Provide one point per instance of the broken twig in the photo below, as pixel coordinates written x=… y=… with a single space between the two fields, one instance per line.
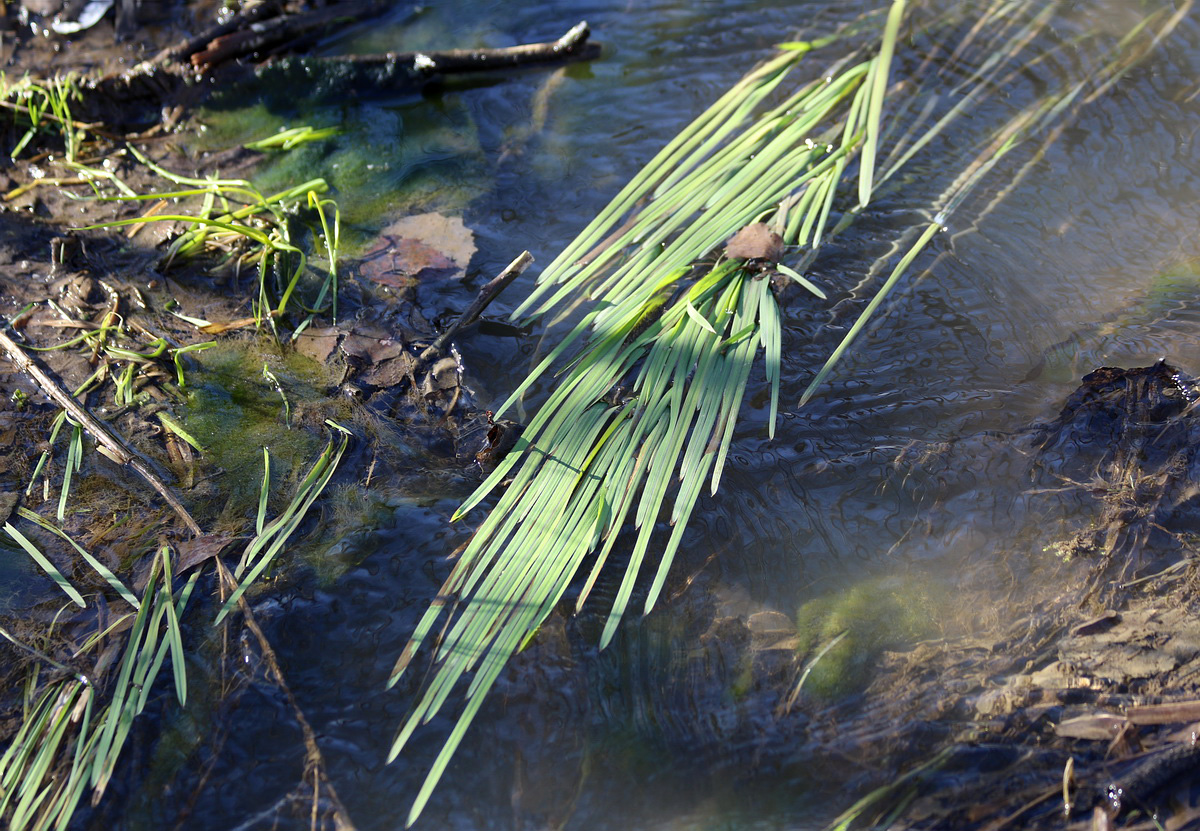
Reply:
x=490 y=291
x=572 y=45
x=108 y=442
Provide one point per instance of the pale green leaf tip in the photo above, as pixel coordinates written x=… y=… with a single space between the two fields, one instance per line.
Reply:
x=397 y=746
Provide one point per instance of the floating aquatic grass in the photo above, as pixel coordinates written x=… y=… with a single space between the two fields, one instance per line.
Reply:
x=642 y=414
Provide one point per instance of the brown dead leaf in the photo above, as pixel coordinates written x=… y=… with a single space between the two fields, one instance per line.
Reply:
x=755 y=242
x=416 y=248
x=194 y=552
x=391 y=372
x=317 y=344
x=502 y=437
x=371 y=350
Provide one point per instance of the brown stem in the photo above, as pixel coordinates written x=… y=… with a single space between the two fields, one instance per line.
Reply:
x=108 y=442
x=490 y=291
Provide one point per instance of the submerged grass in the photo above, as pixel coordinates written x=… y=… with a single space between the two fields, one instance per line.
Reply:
x=67 y=743
x=76 y=726
x=80 y=709
x=643 y=413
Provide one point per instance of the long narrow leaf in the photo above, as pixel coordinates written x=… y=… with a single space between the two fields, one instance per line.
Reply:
x=46 y=565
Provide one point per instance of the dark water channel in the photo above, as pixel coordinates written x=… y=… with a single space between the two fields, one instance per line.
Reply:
x=1092 y=259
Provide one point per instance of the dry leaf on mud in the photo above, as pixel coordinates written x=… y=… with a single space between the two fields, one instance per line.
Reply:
x=194 y=552
x=317 y=344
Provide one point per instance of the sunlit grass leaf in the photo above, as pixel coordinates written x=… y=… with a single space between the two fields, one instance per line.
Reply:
x=174 y=635
x=294 y=137
x=47 y=566
x=801 y=279
x=74 y=461
x=263 y=493
x=877 y=90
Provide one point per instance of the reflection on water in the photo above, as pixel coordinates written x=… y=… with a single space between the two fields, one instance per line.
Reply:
x=907 y=468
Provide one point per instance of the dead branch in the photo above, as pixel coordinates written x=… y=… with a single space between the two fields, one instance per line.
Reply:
x=571 y=46
x=108 y=442
x=139 y=96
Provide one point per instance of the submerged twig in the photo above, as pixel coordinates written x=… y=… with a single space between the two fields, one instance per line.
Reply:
x=108 y=442
x=313 y=757
x=490 y=291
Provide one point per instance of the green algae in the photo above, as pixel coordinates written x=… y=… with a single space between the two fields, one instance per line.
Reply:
x=234 y=411
x=404 y=154
x=861 y=622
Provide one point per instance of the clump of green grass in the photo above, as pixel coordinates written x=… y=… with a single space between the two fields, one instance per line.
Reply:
x=68 y=741
x=235 y=218
x=76 y=725
x=43 y=106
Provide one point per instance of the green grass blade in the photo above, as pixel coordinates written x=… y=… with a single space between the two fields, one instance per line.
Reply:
x=174 y=635
x=96 y=565
x=46 y=565
x=862 y=320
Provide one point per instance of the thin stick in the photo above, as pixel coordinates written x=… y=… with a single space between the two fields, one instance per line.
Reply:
x=313 y=755
x=490 y=291
x=108 y=442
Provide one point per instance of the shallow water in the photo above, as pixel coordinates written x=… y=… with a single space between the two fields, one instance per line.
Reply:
x=661 y=731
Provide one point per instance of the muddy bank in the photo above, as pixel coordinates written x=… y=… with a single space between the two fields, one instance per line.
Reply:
x=269 y=398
